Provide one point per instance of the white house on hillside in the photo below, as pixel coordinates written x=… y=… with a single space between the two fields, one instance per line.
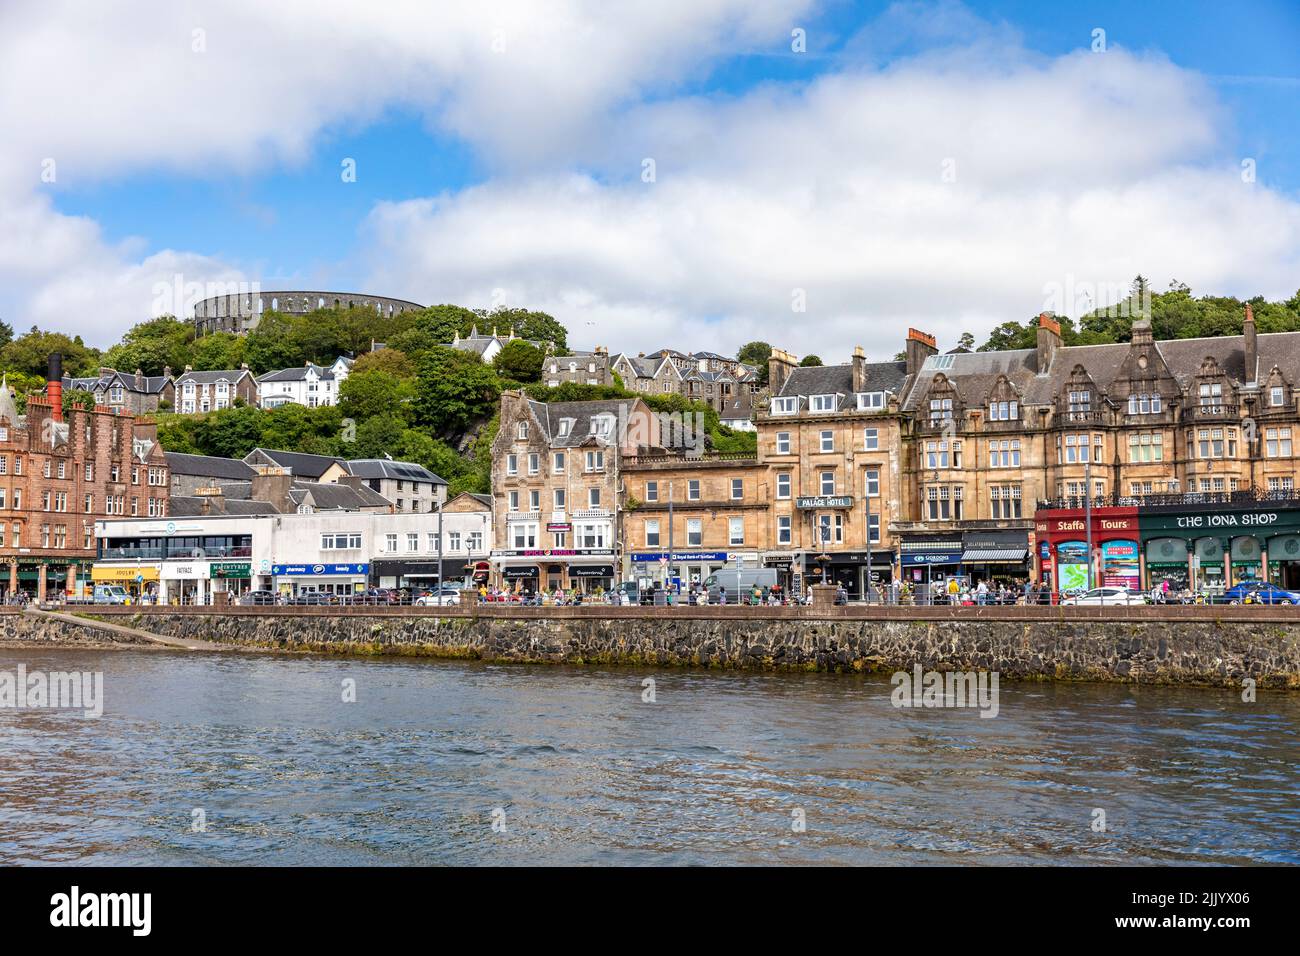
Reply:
x=312 y=385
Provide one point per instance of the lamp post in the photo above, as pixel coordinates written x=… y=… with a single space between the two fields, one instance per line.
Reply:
x=438 y=501
x=1087 y=513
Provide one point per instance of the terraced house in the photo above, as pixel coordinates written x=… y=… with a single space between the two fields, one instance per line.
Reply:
x=830 y=440
x=556 y=485
x=1180 y=427
x=58 y=476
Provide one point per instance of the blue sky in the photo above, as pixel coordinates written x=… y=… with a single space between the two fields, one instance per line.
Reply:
x=472 y=182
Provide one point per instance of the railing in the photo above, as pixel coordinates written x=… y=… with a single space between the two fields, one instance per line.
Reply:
x=686 y=458
x=1173 y=499
x=1217 y=412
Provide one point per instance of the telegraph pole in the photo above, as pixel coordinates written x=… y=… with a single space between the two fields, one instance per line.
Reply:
x=1087 y=512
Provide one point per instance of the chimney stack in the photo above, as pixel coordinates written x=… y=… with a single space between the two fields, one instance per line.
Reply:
x=1251 y=346
x=139 y=380
x=54 y=385
x=859 y=369
x=920 y=346
x=779 y=366
x=1049 y=340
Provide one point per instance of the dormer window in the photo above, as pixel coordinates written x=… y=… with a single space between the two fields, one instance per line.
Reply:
x=823 y=403
x=785 y=406
x=566 y=425
x=1004 y=411
x=602 y=425
x=1211 y=397
x=521 y=431
x=871 y=401
x=940 y=410
x=1277 y=396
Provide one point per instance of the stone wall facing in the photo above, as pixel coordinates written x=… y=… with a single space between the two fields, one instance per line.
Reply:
x=1218 y=646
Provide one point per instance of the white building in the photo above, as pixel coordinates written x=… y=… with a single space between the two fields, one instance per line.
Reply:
x=188 y=560
x=312 y=385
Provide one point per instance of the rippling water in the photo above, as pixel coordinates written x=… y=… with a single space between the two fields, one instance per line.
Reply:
x=586 y=772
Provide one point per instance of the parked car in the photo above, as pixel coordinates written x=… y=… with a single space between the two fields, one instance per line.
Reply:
x=445 y=596
x=1260 y=592
x=375 y=596
x=311 y=597
x=1107 y=596
x=258 y=597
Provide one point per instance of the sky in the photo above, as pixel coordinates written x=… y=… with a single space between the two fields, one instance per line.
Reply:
x=693 y=174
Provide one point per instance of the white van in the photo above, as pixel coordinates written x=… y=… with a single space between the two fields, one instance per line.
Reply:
x=111 y=594
x=739 y=584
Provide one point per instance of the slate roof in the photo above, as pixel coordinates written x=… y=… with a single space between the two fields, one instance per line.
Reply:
x=153 y=384
x=331 y=497
x=297 y=374
x=549 y=415
x=209 y=466
x=485 y=499
x=300 y=464
x=740 y=409
x=804 y=381
x=387 y=468
x=213 y=376
x=975 y=373
x=192 y=506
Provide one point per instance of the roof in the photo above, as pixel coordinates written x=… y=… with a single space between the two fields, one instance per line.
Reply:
x=209 y=466
x=299 y=463
x=193 y=506
x=484 y=499
x=838 y=380
x=214 y=375
x=387 y=468
x=975 y=373
x=297 y=374
x=328 y=496
x=150 y=384
x=550 y=414
x=737 y=410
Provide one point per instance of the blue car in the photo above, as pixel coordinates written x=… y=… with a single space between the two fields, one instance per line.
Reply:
x=1257 y=592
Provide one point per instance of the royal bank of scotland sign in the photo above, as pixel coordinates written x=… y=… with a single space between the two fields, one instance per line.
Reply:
x=823 y=501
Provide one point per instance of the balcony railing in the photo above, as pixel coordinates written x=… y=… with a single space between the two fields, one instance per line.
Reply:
x=1245 y=496
x=1217 y=413
x=686 y=458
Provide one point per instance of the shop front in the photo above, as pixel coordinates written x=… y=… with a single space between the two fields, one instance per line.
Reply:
x=199 y=582
x=526 y=571
x=686 y=567
x=421 y=575
x=1068 y=566
x=855 y=570
x=292 y=580
x=931 y=563
x=996 y=557
x=140 y=580
x=1257 y=541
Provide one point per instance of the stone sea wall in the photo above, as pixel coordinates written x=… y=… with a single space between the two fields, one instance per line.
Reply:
x=1200 y=649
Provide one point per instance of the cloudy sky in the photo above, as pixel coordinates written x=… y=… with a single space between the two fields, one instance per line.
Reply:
x=686 y=173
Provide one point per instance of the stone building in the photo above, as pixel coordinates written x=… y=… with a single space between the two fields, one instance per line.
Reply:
x=211 y=391
x=58 y=477
x=410 y=487
x=133 y=394
x=706 y=377
x=583 y=368
x=830 y=439
x=707 y=512
x=992 y=436
x=556 y=488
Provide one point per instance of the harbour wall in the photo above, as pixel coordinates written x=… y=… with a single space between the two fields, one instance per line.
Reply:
x=1192 y=645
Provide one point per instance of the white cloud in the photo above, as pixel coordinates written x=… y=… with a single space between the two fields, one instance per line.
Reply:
x=107 y=91
x=1091 y=167
x=1083 y=169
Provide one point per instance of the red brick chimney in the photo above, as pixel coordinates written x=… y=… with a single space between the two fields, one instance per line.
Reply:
x=54 y=385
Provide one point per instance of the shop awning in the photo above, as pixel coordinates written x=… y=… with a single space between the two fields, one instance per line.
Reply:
x=993 y=556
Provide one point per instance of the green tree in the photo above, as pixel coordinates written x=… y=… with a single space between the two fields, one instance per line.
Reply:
x=756 y=354
x=373 y=392
x=535 y=326
x=153 y=345
x=220 y=350
x=30 y=352
x=519 y=362
x=810 y=360
x=453 y=388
